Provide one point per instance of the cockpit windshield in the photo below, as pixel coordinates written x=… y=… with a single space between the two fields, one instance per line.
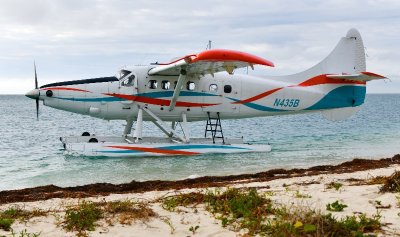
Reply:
x=123 y=73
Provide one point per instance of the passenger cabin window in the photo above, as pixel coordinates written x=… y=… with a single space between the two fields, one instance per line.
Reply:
x=153 y=84
x=190 y=85
x=213 y=88
x=227 y=88
x=165 y=85
x=129 y=81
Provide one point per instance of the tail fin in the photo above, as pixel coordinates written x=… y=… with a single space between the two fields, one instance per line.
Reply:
x=346 y=62
x=348 y=57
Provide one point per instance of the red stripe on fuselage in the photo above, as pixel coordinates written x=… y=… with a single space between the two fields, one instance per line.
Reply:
x=155 y=101
x=155 y=150
x=64 y=89
x=259 y=96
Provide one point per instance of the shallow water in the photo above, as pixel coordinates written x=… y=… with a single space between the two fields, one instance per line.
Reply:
x=31 y=154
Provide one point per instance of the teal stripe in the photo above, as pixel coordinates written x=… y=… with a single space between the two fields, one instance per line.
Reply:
x=345 y=96
x=258 y=107
x=263 y=108
x=157 y=94
x=160 y=94
x=100 y=99
x=179 y=147
x=121 y=151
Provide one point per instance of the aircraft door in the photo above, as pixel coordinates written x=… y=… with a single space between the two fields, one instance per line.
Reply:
x=128 y=86
x=231 y=92
x=212 y=95
x=221 y=92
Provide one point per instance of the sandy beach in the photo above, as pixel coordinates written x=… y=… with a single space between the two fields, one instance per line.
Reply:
x=357 y=185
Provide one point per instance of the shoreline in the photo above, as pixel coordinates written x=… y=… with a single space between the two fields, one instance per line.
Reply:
x=105 y=189
x=327 y=198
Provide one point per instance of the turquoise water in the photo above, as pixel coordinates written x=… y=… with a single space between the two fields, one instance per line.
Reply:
x=31 y=155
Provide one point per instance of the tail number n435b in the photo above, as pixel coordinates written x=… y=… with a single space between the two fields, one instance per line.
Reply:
x=286 y=102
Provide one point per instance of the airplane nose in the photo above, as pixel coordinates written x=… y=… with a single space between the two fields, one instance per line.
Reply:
x=33 y=94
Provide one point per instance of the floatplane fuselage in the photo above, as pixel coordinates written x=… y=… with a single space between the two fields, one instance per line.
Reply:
x=204 y=87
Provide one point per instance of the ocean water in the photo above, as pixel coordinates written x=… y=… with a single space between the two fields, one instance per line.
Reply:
x=31 y=153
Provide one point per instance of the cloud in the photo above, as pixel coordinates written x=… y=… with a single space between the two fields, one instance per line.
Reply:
x=73 y=39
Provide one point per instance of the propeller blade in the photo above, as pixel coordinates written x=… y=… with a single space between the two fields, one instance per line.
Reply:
x=37 y=109
x=36 y=82
x=36 y=87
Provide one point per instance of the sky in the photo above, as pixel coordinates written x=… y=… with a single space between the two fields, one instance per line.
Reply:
x=79 y=39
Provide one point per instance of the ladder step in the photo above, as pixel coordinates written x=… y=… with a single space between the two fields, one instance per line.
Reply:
x=214 y=126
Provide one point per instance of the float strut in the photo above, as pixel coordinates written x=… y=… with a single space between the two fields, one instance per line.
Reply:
x=128 y=127
x=163 y=126
x=139 y=125
x=185 y=128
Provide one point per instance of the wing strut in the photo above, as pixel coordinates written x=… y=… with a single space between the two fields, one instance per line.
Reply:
x=181 y=80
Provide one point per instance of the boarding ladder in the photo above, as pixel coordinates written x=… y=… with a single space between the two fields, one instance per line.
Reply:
x=214 y=126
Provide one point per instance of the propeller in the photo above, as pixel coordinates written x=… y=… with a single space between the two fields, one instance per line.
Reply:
x=36 y=87
x=35 y=93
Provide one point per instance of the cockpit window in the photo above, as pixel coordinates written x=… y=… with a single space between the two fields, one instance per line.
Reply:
x=123 y=73
x=129 y=81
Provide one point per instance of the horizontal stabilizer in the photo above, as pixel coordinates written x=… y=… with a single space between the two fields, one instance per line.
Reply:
x=362 y=76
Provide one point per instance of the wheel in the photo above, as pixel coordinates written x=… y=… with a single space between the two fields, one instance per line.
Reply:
x=85 y=134
x=93 y=140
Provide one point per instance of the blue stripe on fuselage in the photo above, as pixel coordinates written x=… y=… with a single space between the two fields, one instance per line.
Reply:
x=258 y=107
x=121 y=151
x=199 y=146
x=157 y=94
x=345 y=96
x=178 y=148
x=160 y=94
x=100 y=99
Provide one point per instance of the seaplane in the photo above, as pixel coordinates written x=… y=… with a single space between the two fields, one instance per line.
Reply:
x=205 y=87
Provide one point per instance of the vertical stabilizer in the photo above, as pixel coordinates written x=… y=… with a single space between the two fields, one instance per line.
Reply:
x=338 y=101
x=348 y=57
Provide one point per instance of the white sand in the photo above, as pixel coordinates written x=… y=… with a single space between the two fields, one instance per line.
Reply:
x=360 y=199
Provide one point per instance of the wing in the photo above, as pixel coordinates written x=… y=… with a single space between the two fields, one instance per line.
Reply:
x=206 y=62
x=210 y=62
x=362 y=76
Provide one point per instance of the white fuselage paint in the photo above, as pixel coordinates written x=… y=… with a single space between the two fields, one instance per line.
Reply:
x=99 y=99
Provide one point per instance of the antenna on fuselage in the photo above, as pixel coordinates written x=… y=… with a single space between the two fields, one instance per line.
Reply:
x=208 y=45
